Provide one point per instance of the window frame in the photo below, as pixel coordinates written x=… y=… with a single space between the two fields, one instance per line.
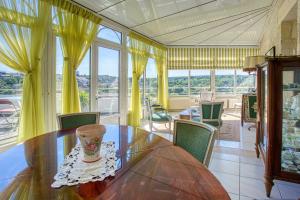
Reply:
x=212 y=84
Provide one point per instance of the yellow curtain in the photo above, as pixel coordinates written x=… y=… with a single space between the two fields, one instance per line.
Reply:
x=76 y=35
x=21 y=49
x=160 y=60
x=140 y=52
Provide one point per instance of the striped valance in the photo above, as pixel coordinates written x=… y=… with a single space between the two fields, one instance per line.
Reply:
x=208 y=58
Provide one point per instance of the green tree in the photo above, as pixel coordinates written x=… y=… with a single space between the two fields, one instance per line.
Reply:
x=84 y=100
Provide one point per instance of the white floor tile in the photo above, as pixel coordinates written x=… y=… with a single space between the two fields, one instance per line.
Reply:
x=247 y=146
x=252 y=171
x=229 y=182
x=223 y=156
x=255 y=188
x=289 y=191
x=234 y=196
x=230 y=144
x=224 y=166
x=246 y=198
x=251 y=160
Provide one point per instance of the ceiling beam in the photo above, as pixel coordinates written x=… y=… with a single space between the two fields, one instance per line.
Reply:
x=146 y=22
x=220 y=19
x=112 y=5
x=231 y=27
x=251 y=25
x=113 y=21
x=217 y=26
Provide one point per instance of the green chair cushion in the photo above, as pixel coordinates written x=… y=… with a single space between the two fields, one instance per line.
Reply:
x=216 y=111
x=160 y=117
x=74 y=121
x=196 y=119
x=206 y=111
x=193 y=139
x=213 y=123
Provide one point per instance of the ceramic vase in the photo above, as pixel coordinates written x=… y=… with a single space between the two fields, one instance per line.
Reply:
x=90 y=137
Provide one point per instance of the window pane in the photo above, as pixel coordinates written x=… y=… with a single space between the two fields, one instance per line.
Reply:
x=10 y=102
x=82 y=76
x=108 y=85
x=151 y=80
x=110 y=34
x=178 y=82
x=245 y=82
x=224 y=82
x=200 y=81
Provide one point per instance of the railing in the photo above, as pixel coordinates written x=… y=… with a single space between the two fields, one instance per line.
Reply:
x=184 y=91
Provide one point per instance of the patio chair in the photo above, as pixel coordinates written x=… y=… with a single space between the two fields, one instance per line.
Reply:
x=196 y=138
x=9 y=113
x=74 y=120
x=156 y=113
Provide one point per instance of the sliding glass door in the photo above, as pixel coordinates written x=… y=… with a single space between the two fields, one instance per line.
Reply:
x=107 y=85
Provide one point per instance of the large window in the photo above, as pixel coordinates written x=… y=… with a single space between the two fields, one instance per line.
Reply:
x=221 y=82
x=199 y=81
x=178 y=82
x=10 y=103
x=82 y=76
x=224 y=82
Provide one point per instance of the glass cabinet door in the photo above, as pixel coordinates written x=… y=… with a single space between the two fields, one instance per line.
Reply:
x=290 y=154
x=264 y=114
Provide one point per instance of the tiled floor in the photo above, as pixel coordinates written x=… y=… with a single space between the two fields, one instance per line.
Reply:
x=240 y=172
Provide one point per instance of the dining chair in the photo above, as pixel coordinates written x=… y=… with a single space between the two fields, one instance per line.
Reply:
x=74 y=120
x=157 y=114
x=210 y=113
x=196 y=138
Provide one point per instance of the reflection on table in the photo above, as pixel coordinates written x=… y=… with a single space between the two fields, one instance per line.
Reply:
x=147 y=166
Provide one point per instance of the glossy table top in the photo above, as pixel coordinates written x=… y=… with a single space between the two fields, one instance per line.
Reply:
x=148 y=167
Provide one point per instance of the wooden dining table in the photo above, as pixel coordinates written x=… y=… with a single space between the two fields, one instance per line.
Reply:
x=148 y=167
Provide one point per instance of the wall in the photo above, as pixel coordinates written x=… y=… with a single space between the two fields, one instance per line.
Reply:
x=289 y=37
x=272 y=34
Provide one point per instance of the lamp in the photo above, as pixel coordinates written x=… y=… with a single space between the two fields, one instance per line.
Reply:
x=251 y=62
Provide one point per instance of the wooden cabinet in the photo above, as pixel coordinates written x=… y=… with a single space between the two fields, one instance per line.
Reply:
x=278 y=119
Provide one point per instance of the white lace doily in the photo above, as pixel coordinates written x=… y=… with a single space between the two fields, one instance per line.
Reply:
x=74 y=171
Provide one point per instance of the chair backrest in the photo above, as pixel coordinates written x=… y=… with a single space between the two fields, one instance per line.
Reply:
x=211 y=111
x=196 y=138
x=75 y=120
